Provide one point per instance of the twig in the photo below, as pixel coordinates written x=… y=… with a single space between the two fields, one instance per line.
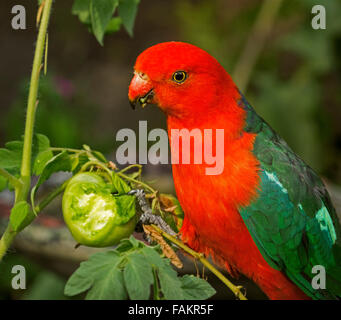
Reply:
x=138 y=182
x=235 y=289
x=52 y=195
x=166 y=248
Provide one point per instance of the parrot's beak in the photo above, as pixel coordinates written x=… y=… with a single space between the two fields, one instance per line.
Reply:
x=140 y=90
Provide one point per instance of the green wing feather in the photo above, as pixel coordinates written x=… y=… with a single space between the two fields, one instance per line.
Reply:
x=293 y=221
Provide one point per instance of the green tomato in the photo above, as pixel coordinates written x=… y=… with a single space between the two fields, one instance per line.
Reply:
x=94 y=216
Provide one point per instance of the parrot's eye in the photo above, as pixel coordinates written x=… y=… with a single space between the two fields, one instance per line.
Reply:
x=179 y=76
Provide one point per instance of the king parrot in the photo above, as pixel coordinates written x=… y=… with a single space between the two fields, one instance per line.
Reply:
x=267 y=215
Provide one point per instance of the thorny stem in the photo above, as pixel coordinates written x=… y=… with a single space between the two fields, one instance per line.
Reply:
x=32 y=101
x=235 y=289
x=21 y=191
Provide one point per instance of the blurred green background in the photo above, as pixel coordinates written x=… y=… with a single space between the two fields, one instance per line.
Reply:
x=294 y=82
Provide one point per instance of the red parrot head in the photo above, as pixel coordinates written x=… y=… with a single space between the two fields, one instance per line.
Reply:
x=180 y=78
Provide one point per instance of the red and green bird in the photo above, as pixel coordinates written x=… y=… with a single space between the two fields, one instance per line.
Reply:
x=267 y=215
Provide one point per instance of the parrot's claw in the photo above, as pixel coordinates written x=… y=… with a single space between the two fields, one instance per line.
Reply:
x=147 y=216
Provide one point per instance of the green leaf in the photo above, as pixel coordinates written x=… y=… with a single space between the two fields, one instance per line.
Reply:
x=100 y=275
x=101 y=12
x=11 y=155
x=84 y=17
x=152 y=256
x=138 y=277
x=169 y=281
x=114 y=25
x=40 y=143
x=60 y=162
x=195 y=288
x=127 y=10
x=136 y=243
x=80 y=6
x=119 y=185
x=21 y=216
x=99 y=155
x=128 y=271
x=126 y=206
x=41 y=161
x=124 y=246
x=77 y=161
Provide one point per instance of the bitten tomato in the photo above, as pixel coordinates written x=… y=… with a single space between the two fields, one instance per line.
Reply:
x=94 y=214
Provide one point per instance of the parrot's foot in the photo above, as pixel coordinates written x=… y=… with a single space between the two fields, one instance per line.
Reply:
x=147 y=216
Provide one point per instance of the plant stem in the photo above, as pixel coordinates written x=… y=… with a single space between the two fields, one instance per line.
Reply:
x=139 y=166
x=56 y=192
x=235 y=289
x=32 y=101
x=9 y=234
x=137 y=182
x=21 y=191
x=6 y=241
x=66 y=149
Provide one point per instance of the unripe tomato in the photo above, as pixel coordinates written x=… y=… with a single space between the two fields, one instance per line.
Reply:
x=94 y=215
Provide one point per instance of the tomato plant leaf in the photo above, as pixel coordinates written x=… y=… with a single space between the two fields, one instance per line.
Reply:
x=119 y=185
x=99 y=155
x=138 y=277
x=101 y=12
x=127 y=271
x=126 y=207
x=11 y=155
x=80 y=6
x=101 y=275
x=195 y=288
x=41 y=160
x=77 y=161
x=170 y=282
x=40 y=143
x=124 y=246
x=127 y=10
x=110 y=288
x=152 y=256
x=114 y=25
x=21 y=216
